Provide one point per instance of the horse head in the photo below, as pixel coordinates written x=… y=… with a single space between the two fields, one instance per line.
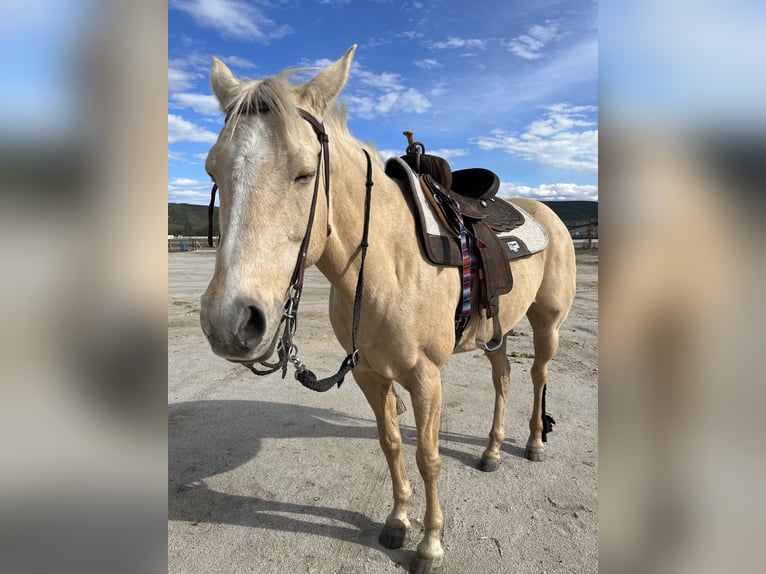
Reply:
x=265 y=163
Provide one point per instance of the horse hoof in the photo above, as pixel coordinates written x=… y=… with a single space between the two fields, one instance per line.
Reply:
x=420 y=565
x=392 y=538
x=489 y=464
x=534 y=453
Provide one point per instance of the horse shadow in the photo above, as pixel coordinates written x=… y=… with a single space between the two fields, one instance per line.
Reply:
x=208 y=438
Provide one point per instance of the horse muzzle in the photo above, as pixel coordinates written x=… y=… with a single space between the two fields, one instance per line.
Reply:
x=235 y=331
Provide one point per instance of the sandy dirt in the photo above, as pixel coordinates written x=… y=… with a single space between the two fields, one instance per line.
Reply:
x=268 y=477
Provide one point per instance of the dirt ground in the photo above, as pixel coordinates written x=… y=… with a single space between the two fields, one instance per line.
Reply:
x=268 y=477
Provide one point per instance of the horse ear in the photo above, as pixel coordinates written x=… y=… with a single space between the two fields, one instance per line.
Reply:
x=319 y=93
x=223 y=82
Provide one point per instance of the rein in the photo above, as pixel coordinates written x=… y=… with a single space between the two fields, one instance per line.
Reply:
x=287 y=351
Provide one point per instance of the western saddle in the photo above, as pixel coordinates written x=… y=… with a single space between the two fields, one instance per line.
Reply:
x=464 y=200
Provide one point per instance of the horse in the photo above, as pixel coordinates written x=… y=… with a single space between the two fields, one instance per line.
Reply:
x=265 y=165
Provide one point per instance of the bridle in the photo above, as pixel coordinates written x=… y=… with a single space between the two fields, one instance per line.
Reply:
x=287 y=351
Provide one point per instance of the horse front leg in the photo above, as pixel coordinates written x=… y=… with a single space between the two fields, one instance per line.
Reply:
x=426 y=393
x=382 y=397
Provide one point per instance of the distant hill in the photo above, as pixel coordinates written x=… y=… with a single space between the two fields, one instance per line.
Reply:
x=187 y=219
x=575 y=212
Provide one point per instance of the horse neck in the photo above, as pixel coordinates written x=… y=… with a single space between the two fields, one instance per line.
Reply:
x=341 y=257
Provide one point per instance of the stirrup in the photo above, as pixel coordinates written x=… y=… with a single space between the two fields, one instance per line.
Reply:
x=497 y=334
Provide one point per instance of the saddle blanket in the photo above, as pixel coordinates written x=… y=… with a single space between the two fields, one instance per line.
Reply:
x=441 y=245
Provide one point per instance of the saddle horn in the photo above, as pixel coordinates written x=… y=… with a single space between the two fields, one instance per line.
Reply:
x=420 y=162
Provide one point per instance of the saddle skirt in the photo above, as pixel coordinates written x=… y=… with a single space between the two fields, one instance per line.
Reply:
x=521 y=236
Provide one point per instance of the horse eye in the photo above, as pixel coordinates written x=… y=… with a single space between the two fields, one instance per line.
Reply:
x=304 y=178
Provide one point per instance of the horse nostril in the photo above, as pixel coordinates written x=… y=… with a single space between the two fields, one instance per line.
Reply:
x=253 y=326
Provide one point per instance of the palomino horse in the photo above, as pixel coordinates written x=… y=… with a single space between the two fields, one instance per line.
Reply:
x=265 y=164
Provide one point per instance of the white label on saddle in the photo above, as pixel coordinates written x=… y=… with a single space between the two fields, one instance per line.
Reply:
x=513 y=246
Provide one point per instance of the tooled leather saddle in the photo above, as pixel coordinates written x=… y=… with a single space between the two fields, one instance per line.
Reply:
x=466 y=218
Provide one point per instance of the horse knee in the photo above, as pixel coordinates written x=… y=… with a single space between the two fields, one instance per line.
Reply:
x=429 y=462
x=391 y=444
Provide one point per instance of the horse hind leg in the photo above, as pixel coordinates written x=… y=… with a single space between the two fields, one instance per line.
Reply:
x=501 y=370
x=382 y=397
x=545 y=325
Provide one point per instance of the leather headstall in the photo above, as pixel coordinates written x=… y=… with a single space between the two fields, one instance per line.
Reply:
x=287 y=351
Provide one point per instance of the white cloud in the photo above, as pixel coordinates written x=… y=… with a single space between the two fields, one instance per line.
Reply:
x=368 y=107
x=201 y=103
x=453 y=42
x=428 y=64
x=199 y=63
x=237 y=62
x=181 y=130
x=185 y=182
x=551 y=191
x=383 y=81
x=177 y=156
x=413 y=101
x=188 y=190
x=186 y=158
x=448 y=153
x=322 y=63
x=232 y=18
x=405 y=101
x=561 y=118
x=386 y=102
x=184 y=73
x=201 y=197
x=362 y=106
x=377 y=94
x=529 y=45
x=179 y=80
x=557 y=139
x=411 y=34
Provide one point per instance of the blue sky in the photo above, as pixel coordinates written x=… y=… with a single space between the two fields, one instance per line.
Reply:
x=509 y=86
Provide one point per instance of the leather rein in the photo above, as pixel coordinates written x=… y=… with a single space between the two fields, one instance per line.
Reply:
x=287 y=351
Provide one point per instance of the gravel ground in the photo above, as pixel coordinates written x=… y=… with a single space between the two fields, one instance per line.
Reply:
x=268 y=477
